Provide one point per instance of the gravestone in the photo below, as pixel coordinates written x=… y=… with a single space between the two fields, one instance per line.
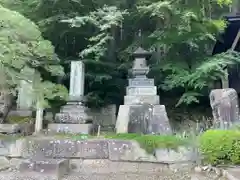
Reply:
x=141 y=112
x=25 y=96
x=73 y=117
x=225 y=109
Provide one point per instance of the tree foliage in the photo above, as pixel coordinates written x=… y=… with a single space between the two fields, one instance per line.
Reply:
x=104 y=33
x=25 y=55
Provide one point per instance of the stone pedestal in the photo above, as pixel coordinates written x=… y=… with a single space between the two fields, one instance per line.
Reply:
x=73 y=118
x=141 y=112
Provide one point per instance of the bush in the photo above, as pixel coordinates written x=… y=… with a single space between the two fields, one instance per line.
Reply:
x=220 y=146
x=152 y=142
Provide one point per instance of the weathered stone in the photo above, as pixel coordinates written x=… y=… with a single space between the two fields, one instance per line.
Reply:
x=21 y=113
x=76 y=90
x=118 y=149
x=53 y=148
x=144 y=90
x=71 y=128
x=10 y=128
x=19 y=148
x=73 y=108
x=94 y=149
x=52 y=167
x=160 y=122
x=123 y=119
x=225 y=108
x=140 y=117
x=183 y=154
x=149 y=99
x=141 y=82
x=72 y=117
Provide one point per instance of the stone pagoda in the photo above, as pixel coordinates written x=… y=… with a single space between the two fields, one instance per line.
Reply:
x=142 y=112
x=73 y=117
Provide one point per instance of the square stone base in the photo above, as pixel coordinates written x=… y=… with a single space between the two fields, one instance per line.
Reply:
x=158 y=122
x=71 y=128
x=149 y=99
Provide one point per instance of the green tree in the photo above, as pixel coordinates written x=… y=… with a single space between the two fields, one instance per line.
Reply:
x=186 y=33
x=180 y=33
x=23 y=50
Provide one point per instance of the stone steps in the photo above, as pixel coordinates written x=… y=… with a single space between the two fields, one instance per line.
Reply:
x=56 y=168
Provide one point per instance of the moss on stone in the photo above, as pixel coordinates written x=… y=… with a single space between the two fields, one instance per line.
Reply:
x=18 y=119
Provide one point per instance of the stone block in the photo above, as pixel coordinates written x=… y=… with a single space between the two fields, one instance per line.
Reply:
x=19 y=149
x=93 y=149
x=123 y=119
x=140 y=117
x=71 y=128
x=141 y=82
x=51 y=167
x=71 y=118
x=118 y=149
x=45 y=148
x=10 y=128
x=150 y=99
x=143 y=90
x=160 y=122
x=74 y=108
x=183 y=154
x=20 y=112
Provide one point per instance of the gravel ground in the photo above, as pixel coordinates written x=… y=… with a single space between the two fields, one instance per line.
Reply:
x=110 y=176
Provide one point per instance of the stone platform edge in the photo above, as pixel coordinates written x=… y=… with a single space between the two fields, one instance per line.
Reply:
x=115 y=150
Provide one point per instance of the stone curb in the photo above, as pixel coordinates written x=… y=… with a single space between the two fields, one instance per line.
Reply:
x=114 y=150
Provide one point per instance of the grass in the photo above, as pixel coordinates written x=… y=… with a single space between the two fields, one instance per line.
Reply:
x=152 y=142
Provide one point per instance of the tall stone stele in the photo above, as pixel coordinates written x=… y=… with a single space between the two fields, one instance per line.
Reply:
x=142 y=112
x=73 y=117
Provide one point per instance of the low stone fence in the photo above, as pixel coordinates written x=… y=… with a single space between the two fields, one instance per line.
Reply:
x=114 y=150
x=55 y=156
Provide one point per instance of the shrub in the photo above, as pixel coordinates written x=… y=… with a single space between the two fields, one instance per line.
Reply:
x=220 y=146
x=152 y=142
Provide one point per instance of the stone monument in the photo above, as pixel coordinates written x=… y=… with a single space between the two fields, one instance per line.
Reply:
x=142 y=112
x=225 y=109
x=73 y=117
x=25 y=96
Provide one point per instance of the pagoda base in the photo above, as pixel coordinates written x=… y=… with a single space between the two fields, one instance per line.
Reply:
x=150 y=99
x=146 y=119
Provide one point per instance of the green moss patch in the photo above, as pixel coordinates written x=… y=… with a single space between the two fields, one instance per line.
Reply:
x=152 y=142
x=18 y=119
